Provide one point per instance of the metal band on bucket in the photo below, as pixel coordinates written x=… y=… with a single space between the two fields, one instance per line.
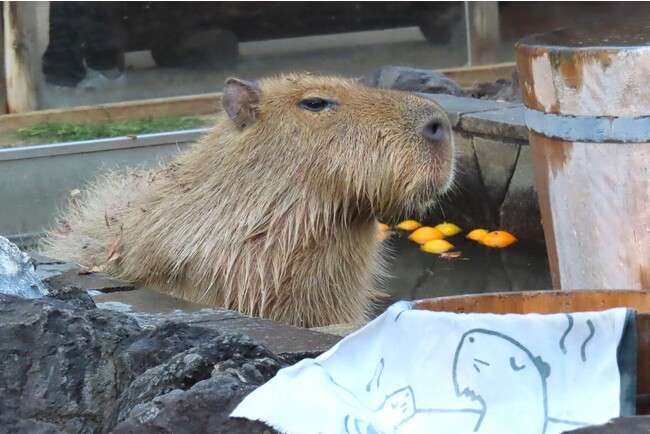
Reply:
x=598 y=129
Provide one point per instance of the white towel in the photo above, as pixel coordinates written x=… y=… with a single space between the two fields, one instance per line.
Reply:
x=415 y=371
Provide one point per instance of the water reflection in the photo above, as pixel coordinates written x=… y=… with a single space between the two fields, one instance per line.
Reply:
x=416 y=275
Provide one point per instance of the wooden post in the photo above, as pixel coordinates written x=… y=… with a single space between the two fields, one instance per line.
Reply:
x=482 y=25
x=3 y=82
x=587 y=107
x=25 y=23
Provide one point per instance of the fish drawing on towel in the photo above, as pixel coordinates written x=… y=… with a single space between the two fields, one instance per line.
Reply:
x=398 y=408
x=488 y=364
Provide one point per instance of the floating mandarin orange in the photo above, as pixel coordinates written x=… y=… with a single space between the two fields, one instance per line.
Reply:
x=426 y=233
x=436 y=246
x=498 y=239
x=408 y=225
x=449 y=229
x=477 y=234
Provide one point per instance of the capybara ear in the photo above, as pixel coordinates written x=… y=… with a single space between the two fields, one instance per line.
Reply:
x=240 y=98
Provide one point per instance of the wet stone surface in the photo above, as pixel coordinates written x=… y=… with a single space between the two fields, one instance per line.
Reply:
x=151 y=309
x=506 y=122
x=457 y=107
x=17 y=276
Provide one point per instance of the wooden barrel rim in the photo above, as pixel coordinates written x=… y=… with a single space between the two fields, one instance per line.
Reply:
x=540 y=302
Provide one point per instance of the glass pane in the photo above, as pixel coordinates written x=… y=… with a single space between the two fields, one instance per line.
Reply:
x=102 y=52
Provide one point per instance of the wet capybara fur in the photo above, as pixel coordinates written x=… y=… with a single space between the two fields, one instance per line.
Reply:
x=273 y=213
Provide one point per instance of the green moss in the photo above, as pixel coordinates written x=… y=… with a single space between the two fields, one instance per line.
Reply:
x=67 y=132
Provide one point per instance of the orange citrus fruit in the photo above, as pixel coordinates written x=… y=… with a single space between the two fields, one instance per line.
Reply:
x=426 y=233
x=498 y=239
x=449 y=229
x=477 y=234
x=436 y=246
x=408 y=225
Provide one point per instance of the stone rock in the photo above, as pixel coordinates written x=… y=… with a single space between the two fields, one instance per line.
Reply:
x=506 y=122
x=621 y=425
x=17 y=276
x=15 y=425
x=519 y=211
x=411 y=80
x=56 y=362
x=458 y=107
x=152 y=309
x=203 y=408
x=68 y=367
x=70 y=293
x=496 y=162
x=159 y=364
x=48 y=271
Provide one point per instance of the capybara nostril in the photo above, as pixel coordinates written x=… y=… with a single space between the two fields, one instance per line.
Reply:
x=434 y=130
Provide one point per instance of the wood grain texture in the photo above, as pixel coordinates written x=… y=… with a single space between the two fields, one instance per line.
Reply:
x=23 y=48
x=594 y=190
x=192 y=105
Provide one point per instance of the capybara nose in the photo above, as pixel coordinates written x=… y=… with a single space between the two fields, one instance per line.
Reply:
x=434 y=130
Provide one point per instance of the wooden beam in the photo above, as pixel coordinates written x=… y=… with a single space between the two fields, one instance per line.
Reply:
x=23 y=52
x=468 y=76
x=193 y=105
x=3 y=82
x=482 y=23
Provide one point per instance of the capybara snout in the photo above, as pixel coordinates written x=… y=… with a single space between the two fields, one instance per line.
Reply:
x=273 y=213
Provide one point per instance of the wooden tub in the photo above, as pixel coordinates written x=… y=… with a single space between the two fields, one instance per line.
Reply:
x=547 y=302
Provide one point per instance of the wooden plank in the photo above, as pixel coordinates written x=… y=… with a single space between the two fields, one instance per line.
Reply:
x=482 y=22
x=162 y=107
x=468 y=76
x=22 y=57
x=3 y=83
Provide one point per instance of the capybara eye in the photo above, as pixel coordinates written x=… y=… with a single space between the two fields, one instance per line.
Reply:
x=433 y=130
x=316 y=104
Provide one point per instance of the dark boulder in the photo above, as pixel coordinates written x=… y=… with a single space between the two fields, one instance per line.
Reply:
x=185 y=364
x=68 y=367
x=56 y=362
x=622 y=425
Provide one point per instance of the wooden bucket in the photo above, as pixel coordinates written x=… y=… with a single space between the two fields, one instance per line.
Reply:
x=587 y=107
x=548 y=302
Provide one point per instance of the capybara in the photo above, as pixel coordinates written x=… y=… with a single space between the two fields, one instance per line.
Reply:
x=273 y=213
